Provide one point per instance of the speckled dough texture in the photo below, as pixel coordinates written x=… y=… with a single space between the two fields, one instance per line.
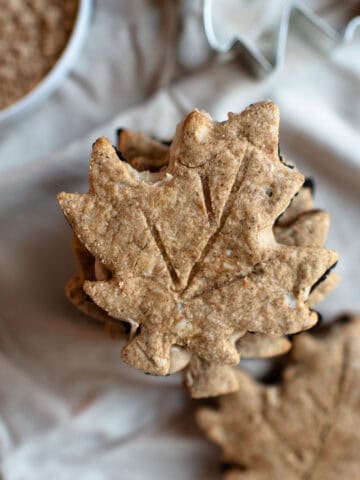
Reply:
x=305 y=428
x=191 y=250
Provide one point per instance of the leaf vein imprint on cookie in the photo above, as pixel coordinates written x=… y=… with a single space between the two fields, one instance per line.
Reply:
x=328 y=426
x=295 y=457
x=239 y=178
x=157 y=239
x=207 y=198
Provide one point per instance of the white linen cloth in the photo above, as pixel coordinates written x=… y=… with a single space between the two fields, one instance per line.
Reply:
x=69 y=408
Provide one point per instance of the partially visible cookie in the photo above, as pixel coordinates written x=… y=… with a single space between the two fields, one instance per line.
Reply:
x=306 y=427
x=74 y=288
x=193 y=260
x=302 y=224
x=142 y=151
x=302 y=202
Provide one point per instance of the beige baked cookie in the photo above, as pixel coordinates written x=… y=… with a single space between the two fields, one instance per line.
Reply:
x=306 y=427
x=191 y=249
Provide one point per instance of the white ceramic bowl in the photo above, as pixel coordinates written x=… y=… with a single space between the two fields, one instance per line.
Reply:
x=61 y=68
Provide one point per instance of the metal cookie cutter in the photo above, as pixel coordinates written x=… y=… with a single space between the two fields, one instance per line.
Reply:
x=321 y=32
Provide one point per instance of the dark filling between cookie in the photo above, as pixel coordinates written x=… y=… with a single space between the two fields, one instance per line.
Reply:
x=167 y=143
x=118 y=134
x=310 y=183
x=282 y=213
x=275 y=375
x=324 y=328
x=227 y=466
x=345 y=318
x=323 y=277
x=119 y=154
x=282 y=160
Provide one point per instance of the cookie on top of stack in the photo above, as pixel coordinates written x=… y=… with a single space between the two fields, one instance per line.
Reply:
x=201 y=251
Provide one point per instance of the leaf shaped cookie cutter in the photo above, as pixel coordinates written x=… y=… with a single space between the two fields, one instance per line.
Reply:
x=265 y=63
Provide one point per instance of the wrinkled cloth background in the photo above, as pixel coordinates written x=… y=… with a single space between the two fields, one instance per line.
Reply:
x=68 y=407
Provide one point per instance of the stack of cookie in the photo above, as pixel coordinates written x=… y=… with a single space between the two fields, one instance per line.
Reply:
x=206 y=249
x=202 y=250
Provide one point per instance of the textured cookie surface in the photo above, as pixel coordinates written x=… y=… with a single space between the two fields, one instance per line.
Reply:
x=308 y=426
x=191 y=250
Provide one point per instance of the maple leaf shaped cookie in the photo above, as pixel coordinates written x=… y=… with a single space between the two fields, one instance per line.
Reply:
x=191 y=249
x=306 y=427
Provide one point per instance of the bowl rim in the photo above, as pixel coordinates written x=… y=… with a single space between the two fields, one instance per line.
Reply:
x=59 y=70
